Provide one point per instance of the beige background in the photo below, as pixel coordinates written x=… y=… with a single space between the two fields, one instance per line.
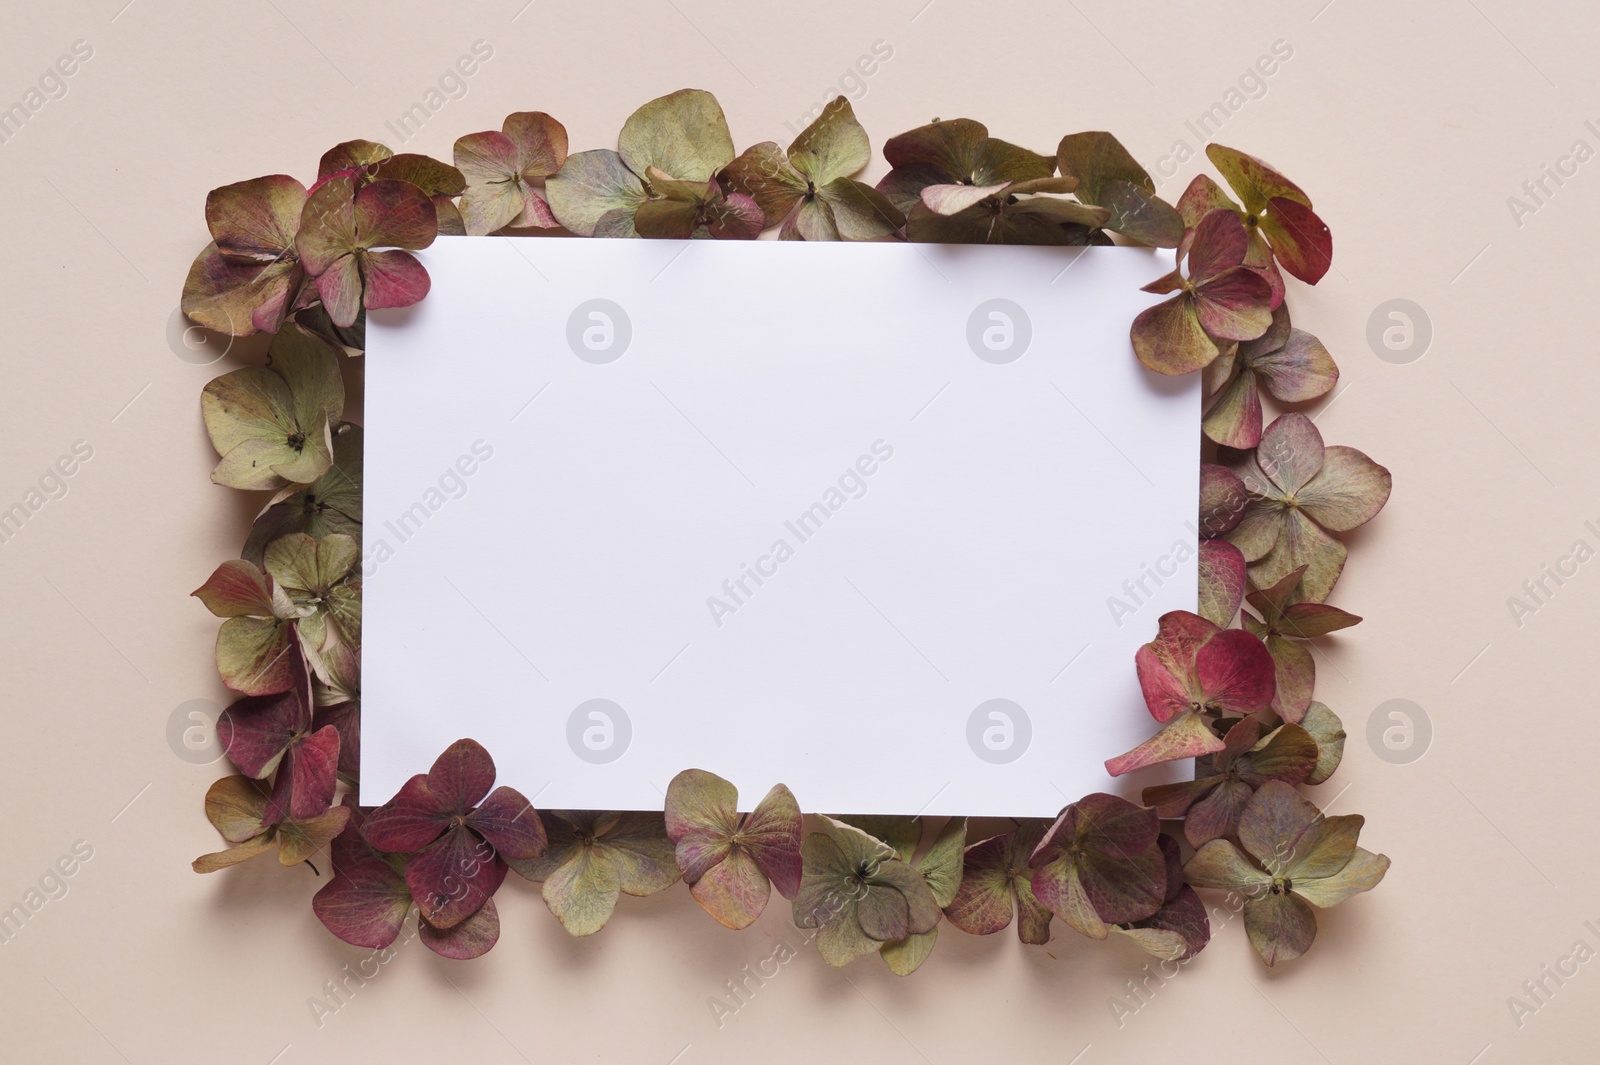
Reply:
x=1410 y=124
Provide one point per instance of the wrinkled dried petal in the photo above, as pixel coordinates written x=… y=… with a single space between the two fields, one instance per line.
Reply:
x=1222 y=581
x=683 y=134
x=1185 y=736
x=1279 y=926
x=465 y=940
x=1328 y=732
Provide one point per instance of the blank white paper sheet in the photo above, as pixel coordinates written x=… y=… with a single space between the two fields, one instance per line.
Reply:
x=882 y=522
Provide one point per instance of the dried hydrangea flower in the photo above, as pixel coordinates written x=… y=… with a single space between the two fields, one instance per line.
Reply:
x=859 y=894
x=266 y=734
x=683 y=135
x=1293 y=858
x=1099 y=865
x=1284 y=625
x=1289 y=363
x=367 y=900
x=596 y=857
x=730 y=860
x=236 y=807
x=1211 y=803
x=811 y=192
x=940 y=869
x=273 y=424
x=244 y=280
x=320 y=577
x=504 y=172
x=458 y=833
x=1300 y=493
x=997 y=882
x=1219 y=298
x=1276 y=212
x=353 y=241
x=329 y=504
x=1191 y=673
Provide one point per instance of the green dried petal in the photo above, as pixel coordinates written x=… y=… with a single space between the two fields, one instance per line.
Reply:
x=595 y=194
x=833 y=146
x=1328 y=732
x=684 y=134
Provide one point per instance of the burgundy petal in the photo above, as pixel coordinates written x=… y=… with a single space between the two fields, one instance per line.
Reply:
x=365 y=903
x=510 y=823
x=461 y=776
x=1166 y=664
x=1220 y=242
x=453 y=876
x=1234 y=305
x=470 y=939
x=1217 y=814
x=1300 y=240
x=1222 y=499
x=394 y=279
x=314 y=772
x=1235 y=671
x=394 y=214
x=339 y=287
x=346 y=717
x=1222 y=580
x=254 y=731
x=409 y=821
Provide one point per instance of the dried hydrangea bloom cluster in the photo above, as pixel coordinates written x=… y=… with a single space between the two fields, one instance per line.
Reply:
x=305 y=264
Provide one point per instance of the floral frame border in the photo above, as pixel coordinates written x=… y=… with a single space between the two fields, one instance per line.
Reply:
x=304 y=264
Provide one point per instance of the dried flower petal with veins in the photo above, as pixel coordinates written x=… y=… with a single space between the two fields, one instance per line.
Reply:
x=1290 y=364
x=1180 y=928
